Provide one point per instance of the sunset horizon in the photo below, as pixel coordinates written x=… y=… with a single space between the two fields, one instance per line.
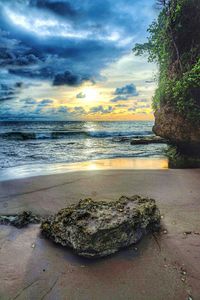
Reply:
x=79 y=67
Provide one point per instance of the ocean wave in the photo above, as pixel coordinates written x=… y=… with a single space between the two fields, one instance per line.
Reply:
x=18 y=135
x=102 y=134
x=21 y=135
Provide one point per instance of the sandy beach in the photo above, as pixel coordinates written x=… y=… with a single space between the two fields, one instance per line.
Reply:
x=100 y=150
x=159 y=267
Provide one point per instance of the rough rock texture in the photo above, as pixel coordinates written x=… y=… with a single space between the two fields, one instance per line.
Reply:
x=179 y=131
x=148 y=140
x=20 y=220
x=96 y=229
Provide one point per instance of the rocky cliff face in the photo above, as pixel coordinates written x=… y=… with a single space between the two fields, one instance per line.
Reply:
x=172 y=126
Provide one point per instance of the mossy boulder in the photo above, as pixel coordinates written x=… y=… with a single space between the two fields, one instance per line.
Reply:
x=97 y=229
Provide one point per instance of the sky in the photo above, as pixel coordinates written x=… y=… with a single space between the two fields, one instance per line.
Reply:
x=73 y=60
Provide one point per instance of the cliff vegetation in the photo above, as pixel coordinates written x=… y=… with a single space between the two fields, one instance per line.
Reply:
x=174 y=44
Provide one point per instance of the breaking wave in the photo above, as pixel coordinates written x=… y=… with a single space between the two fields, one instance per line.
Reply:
x=18 y=135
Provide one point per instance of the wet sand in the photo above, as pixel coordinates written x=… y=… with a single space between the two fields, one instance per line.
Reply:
x=165 y=267
x=101 y=164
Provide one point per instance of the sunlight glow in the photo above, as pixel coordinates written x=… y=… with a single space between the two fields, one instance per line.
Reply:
x=91 y=94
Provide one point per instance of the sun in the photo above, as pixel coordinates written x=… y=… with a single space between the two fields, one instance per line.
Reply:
x=91 y=94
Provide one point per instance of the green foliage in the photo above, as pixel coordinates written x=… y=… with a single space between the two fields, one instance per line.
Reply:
x=174 y=44
x=156 y=47
x=186 y=93
x=182 y=93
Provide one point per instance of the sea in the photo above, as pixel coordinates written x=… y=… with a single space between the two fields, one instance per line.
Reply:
x=47 y=142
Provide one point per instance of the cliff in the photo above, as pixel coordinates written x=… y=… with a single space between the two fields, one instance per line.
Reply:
x=174 y=44
x=172 y=125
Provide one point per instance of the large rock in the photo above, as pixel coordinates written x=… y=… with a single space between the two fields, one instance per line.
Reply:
x=96 y=229
x=172 y=126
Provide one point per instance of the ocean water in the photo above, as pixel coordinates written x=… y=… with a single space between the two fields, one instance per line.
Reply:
x=25 y=143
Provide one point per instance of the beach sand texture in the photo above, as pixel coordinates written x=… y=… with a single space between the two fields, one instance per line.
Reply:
x=166 y=267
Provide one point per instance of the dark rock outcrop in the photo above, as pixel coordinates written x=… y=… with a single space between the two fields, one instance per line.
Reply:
x=20 y=220
x=148 y=140
x=172 y=126
x=97 y=229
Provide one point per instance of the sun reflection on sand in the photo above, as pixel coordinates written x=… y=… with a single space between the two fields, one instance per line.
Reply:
x=93 y=165
x=123 y=163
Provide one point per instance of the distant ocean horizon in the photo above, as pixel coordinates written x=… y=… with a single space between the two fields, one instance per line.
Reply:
x=45 y=142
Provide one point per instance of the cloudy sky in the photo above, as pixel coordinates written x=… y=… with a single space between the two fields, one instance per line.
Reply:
x=72 y=60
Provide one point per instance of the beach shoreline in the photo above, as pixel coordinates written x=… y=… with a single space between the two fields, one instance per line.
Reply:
x=40 y=143
x=33 y=170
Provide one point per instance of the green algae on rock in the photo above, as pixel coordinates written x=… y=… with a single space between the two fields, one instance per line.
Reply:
x=178 y=160
x=97 y=229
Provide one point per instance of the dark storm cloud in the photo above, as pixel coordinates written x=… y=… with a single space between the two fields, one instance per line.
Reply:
x=55 y=56
x=9 y=91
x=36 y=73
x=65 y=42
x=29 y=59
x=60 y=8
x=8 y=58
x=14 y=53
x=68 y=78
x=37 y=42
x=71 y=63
x=5 y=90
